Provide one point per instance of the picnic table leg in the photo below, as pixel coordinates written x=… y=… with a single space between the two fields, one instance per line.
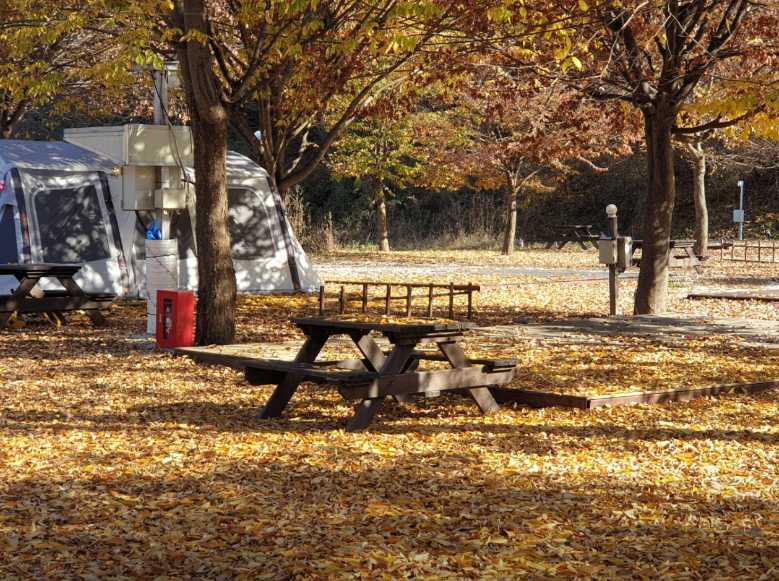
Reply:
x=25 y=286
x=373 y=356
x=76 y=291
x=481 y=395
x=289 y=385
x=375 y=359
x=591 y=237
x=366 y=410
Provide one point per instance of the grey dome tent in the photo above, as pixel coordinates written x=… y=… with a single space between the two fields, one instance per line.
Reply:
x=62 y=202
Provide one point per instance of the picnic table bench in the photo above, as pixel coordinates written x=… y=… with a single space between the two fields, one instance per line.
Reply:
x=379 y=374
x=682 y=254
x=29 y=299
x=580 y=234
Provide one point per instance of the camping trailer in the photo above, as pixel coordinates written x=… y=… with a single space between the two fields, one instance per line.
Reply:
x=91 y=199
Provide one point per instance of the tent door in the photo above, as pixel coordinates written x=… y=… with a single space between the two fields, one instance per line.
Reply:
x=72 y=219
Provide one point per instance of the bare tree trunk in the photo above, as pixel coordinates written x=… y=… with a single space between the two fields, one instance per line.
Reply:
x=216 y=276
x=382 y=225
x=510 y=231
x=698 y=162
x=524 y=212
x=652 y=291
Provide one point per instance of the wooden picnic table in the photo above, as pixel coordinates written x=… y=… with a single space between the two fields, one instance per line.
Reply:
x=380 y=374
x=682 y=254
x=581 y=234
x=25 y=299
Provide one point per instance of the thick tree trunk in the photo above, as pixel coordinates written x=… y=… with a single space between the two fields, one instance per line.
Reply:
x=698 y=162
x=510 y=230
x=382 y=225
x=652 y=291
x=216 y=276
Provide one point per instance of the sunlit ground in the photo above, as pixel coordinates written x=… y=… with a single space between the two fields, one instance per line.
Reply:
x=117 y=460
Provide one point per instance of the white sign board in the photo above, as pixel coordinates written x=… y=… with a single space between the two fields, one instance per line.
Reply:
x=738 y=216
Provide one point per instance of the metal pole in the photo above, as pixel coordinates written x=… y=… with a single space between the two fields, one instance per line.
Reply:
x=611 y=212
x=741 y=207
x=162 y=175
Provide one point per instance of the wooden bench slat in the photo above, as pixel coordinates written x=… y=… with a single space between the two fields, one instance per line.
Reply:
x=49 y=304
x=269 y=371
x=427 y=381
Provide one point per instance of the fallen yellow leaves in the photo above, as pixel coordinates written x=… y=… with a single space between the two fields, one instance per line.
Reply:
x=120 y=461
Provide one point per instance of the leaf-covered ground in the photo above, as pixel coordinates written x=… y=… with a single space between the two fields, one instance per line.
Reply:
x=119 y=461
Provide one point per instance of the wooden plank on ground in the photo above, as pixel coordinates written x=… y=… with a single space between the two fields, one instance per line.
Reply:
x=538 y=399
x=685 y=394
x=734 y=296
x=548 y=399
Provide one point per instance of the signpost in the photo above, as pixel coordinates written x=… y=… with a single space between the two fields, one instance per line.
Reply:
x=738 y=215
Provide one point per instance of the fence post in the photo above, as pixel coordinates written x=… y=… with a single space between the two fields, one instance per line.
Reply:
x=387 y=299
x=365 y=297
x=430 y=301
x=321 y=300
x=342 y=301
x=451 y=300
x=408 y=300
x=470 y=302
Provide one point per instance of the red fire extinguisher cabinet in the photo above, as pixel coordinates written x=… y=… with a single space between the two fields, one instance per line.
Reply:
x=175 y=318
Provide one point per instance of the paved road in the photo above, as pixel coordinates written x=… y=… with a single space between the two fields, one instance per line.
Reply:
x=578 y=331
x=399 y=271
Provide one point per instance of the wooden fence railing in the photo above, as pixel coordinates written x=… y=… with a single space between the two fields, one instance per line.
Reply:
x=766 y=251
x=432 y=292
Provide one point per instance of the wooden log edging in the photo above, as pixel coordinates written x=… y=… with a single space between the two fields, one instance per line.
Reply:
x=547 y=399
x=734 y=296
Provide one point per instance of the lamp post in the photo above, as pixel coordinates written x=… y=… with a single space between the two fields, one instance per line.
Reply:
x=611 y=213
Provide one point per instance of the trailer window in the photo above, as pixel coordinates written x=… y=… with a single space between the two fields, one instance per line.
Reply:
x=71 y=225
x=250 y=231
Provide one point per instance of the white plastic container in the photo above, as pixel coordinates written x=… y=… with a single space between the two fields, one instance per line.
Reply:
x=162 y=273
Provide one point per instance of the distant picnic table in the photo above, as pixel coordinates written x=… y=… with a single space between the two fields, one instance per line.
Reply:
x=682 y=253
x=581 y=234
x=381 y=374
x=29 y=299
